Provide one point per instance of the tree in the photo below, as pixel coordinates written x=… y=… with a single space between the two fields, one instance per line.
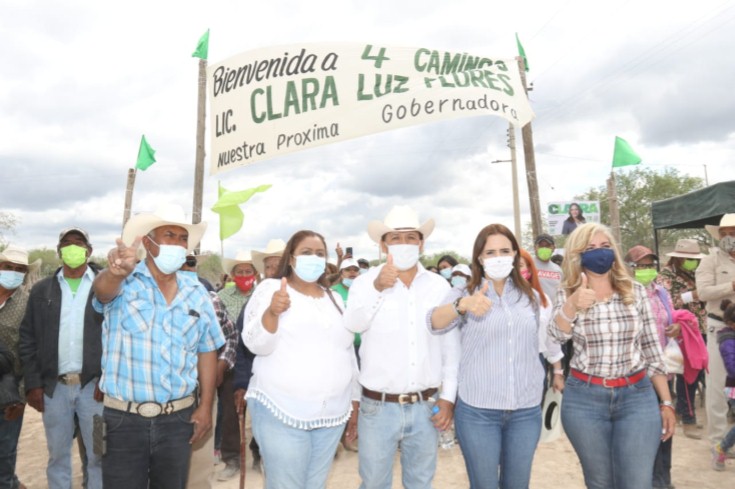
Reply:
x=7 y=223
x=637 y=190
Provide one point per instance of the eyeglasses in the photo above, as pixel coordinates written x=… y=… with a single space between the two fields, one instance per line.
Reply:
x=191 y=261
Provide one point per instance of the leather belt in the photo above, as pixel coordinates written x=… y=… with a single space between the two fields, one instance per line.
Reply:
x=610 y=383
x=149 y=409
x=410 y=398
x=70 y=379
x=715 y=316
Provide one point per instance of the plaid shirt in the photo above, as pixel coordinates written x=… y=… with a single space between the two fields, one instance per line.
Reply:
x=228 y=351
x=677 y=283
x=11 y=315
x=149 y=347
x=611 y=339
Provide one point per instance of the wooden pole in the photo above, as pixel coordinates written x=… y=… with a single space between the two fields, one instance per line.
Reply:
x=516 y=199
x=129 y=195
x=612 y=198
x=196 y=215
x=530 y=158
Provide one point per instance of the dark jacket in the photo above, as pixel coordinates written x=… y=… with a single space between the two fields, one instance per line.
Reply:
x=726 y=339
x=39 y=336
x=244 y=362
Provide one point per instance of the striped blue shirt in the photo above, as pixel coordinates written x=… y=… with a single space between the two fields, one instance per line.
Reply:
x=149 y=348
x=499 y=362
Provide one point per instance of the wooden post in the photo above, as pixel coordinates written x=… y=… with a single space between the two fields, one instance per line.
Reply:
x=612 y=198
x=129 y=195
x=196 y=215
x=516 y=199
x=530 y=158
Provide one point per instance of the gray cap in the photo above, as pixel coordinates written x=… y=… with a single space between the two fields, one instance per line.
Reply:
x=75 y=230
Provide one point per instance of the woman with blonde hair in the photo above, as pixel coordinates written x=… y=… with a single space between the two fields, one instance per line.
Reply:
x=610 y=412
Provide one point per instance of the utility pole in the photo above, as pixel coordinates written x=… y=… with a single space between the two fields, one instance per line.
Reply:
x=530 y=158
x=612 y=196
x=196 y=215
x=516 y=201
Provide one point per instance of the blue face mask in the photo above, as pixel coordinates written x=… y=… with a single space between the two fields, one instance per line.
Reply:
x=310 y=267
x=599 y=260
x=458 y=281
x=446 y=272
x=170 y=257
x=10 y=280
x=347 y=282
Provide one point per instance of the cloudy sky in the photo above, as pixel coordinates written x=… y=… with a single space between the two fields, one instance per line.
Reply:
x=82 y=80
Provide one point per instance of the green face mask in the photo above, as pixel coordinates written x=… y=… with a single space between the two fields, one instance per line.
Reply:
x=544 y=253
x=74 y=256
x=645 y=276
x=689 y=265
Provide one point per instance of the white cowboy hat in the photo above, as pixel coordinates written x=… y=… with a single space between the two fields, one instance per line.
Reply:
x=727 y=221
x=19 y=256
x=551 y=427
x=242 y=257
x=687 y=248
x=166 y=215
x=400 y=218
x=275 y=248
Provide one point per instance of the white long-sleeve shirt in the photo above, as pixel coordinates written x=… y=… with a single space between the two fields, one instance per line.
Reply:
x=398 y=354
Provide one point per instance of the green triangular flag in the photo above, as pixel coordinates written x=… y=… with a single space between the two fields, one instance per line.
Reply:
x=624 y=154
x=202 y=49
x=228 y=208
x=522 y=52
x=146 y=155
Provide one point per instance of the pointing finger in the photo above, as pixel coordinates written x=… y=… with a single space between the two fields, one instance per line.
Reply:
x=121 y=246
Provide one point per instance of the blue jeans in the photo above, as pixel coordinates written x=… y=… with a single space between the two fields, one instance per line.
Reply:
x=9 y=434
x=58 y=422
x=293 y=458
x=381 y=427
x=497 y=445
x=616 y=432
x=142 y=450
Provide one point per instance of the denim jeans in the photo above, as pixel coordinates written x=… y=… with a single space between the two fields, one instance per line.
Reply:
x=58 y=422
x=615 y=432
x=141 y=449
x=497 y=445
x=9 y=434
x=382 y=426
x=293 y=458
x=662 y=463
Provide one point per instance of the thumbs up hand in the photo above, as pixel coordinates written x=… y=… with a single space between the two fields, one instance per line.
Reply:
x=478 y=303
x=583 y=298
x=280 y=302
x=387 y=277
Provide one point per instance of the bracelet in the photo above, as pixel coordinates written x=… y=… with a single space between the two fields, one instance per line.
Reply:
x=565 y=317
x=455 y=305
x=667 y=404
x=558 y=371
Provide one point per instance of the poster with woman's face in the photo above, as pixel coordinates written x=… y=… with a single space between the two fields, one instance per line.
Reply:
x=564 y=217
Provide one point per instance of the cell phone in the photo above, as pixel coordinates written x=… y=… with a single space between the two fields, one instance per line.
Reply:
x=99 y=435
x=348 y=250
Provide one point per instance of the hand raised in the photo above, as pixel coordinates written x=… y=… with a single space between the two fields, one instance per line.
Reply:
x=387 y=277
x=478 y=304
x=584 y=297
x=280 y=302
x=122 y=259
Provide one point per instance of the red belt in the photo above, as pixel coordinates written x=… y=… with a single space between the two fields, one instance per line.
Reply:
x=605 y=382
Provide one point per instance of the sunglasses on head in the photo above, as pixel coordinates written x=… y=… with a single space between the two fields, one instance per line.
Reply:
x=191 y=261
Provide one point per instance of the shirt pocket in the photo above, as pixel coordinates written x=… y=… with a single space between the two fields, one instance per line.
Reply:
x=137 y=315
x=185 y=331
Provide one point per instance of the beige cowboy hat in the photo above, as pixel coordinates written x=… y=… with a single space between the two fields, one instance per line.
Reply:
x=19 y=256
x=551 y=427
x=727 y=221
x=166 y=215
x=275 y=247
x=687 y=248
x=400 y=218
x=241 y=257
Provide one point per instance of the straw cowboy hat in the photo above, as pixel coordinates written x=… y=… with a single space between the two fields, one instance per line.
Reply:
x=400 y=218
x=727 y=221
x=275 y=248
x=687 y=248
x=19 y=256
x=242 y=257
x=166 y=215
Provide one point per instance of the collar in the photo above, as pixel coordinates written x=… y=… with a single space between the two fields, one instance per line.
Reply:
x=88 y=273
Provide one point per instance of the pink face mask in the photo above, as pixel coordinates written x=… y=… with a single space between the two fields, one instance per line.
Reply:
x=526 y=274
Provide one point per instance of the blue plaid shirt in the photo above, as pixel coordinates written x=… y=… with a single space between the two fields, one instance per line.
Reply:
x=149 y=348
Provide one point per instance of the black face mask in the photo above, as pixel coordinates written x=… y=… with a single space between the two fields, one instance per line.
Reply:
x=599 y=260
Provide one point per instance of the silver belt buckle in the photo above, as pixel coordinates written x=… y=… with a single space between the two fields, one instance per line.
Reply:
x=149 y=409
x=407 y=398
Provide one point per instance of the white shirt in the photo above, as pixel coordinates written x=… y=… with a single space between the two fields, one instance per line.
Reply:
x=305 y=372
x=550 y=349
x=398 y=354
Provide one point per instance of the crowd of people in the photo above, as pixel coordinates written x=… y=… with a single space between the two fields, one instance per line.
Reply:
x=140 y=360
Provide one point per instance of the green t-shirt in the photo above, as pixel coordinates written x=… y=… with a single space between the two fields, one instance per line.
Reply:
x=343 y=293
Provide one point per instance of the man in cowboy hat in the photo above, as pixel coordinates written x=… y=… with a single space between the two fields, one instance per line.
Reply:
x=160 y=339
x=715 y=277
x=267 y=261
x=403 y=364
x=14 y=267
x=245 y=276
x=60 y=348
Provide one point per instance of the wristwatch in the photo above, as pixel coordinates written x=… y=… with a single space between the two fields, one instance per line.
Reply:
x=455 y=304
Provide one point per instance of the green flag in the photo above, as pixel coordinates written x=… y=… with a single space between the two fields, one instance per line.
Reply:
x=228 y=208
x=624 y=154
x=202 y=49
x=146 y=155
x=522 y=52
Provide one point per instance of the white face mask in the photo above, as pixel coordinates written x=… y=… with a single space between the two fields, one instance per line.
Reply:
x=405 y=256
x=498 y=267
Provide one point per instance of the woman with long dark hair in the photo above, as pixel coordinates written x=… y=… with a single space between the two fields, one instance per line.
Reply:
x=576 y=218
